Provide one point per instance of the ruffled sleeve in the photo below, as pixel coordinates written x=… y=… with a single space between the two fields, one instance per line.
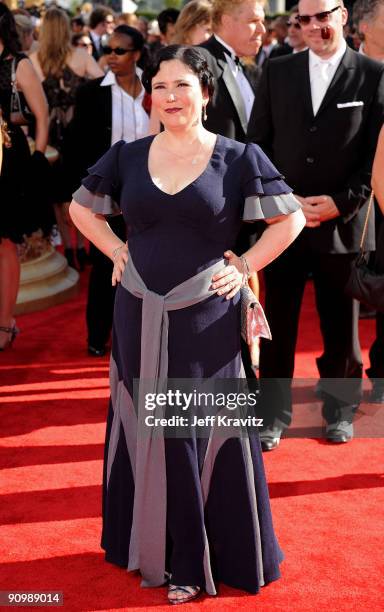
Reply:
x=100 y=190
x=265 y=192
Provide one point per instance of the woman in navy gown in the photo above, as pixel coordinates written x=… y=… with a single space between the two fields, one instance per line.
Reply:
x=191 y=510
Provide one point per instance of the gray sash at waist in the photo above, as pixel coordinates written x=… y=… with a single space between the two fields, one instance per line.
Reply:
x=148 y=534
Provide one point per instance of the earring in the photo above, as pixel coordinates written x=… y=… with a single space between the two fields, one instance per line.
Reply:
x=205 y=117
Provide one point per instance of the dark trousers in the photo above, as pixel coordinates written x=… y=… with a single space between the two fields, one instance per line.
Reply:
x=101 y=294
x=376 y=353
x=285 y=281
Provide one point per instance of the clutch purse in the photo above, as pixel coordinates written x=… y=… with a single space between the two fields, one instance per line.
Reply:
x=254 y=324
x=364 y=283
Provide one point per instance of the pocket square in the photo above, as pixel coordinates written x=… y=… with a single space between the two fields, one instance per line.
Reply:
x=350 y=104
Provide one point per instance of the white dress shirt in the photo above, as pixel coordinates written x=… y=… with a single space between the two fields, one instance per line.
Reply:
x=129 y=119
x=321 y=73
x=265 y=52
x=241 y=80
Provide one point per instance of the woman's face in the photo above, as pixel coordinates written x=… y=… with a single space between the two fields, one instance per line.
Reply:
x=85 y=43
x=27 y=41
x=177 y=95
x=200 y=33
x=126 y=62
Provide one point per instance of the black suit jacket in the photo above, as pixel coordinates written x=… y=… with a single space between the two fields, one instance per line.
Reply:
x=96 y=53
x=226 y=110
x=91 y=127
x=330 y=153
x=280 y=50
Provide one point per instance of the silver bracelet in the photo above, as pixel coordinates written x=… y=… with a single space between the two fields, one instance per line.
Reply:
x=116 y=251
x=246 y=271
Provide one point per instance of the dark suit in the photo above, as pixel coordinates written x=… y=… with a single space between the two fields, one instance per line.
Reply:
x=280 y=50
x=226 y=111
x=96 y=51
x=226 y=115
x=91 y=131
x=330 y=153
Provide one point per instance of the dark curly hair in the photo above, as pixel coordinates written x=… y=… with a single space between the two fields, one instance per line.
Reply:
x=190 y=56
x=8 y=32
x=134 y=34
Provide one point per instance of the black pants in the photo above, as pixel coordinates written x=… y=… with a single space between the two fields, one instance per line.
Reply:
x=101 y=294
x=376 y=353
x=285 y=281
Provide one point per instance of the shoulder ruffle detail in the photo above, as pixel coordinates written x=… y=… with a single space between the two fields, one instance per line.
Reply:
x=100 y=190
x=260 y=177
x=266 y=207
x=99 y=204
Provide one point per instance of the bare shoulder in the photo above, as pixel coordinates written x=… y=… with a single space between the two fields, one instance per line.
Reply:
x=77 y=60
x=27 y=68
x=381 y=137
x=84 y=64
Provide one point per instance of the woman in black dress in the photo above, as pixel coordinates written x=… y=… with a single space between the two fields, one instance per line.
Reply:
x=18 y=214
x=62 y=69
x=192 y=508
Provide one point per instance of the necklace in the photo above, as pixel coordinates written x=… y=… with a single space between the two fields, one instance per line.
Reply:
x=194 y=159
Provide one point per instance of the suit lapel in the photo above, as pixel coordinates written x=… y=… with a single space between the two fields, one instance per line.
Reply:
x=234 y=92
x=338 y=82
x=219 y=52
x=304 y=82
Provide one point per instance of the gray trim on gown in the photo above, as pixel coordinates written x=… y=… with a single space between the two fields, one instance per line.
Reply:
x=100 y=204
x=148 y=533
x=146 y=448
x=216 y=440
x=264 y=207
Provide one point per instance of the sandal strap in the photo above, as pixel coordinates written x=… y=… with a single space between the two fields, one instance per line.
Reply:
x=188 y=590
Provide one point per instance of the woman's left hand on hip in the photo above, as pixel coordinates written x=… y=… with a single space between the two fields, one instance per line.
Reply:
x=230 y=279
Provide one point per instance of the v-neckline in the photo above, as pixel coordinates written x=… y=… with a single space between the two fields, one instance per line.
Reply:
x=172 y=195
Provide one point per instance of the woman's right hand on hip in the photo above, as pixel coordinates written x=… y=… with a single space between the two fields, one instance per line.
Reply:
x=119 y=262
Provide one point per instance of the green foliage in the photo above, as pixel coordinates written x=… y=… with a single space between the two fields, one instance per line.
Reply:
x=173 y=4
x=148 y=14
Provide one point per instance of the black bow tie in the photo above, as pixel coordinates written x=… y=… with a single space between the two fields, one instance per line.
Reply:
x=238 y=62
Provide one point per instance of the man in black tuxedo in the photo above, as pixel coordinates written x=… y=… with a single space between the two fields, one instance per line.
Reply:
x=317 y=115
x=101 y=23
x=108 y=109
x=238 y=30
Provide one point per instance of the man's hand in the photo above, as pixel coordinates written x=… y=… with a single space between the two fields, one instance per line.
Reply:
x=318 y=209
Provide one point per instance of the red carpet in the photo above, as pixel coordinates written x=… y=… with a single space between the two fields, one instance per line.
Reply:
x=327 y=501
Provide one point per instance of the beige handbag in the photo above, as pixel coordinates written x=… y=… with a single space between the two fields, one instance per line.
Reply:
x=254 y=324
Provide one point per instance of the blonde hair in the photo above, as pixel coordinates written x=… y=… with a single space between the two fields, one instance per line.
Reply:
x=54 y=42
x=129 y=19
x=193 y=13
x=227 y=7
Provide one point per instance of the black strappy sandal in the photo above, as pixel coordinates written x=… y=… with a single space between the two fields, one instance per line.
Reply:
x=182 y=594
x=13 y=331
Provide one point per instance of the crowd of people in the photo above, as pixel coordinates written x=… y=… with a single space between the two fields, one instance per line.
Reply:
x=170 y=123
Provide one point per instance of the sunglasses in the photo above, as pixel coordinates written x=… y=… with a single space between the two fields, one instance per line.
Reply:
x=117 y=50
x=321 y=17
x=294 y=24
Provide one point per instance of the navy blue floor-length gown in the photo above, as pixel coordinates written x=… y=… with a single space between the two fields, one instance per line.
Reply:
x=218 y=520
